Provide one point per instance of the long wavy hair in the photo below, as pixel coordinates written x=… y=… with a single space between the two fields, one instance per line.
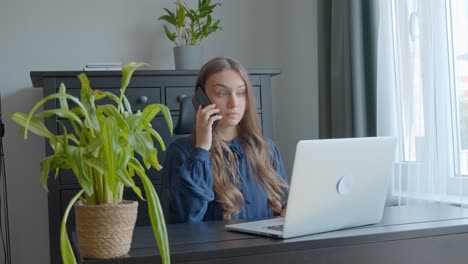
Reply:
x=257 y=152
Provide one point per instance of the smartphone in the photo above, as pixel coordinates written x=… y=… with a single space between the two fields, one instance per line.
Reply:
x=200 y=98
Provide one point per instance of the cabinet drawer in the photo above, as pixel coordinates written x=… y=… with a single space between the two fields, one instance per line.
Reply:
x=138 y=97
x=174 y=93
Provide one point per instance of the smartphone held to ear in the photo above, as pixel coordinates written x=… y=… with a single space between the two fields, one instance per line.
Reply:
x=200 y=98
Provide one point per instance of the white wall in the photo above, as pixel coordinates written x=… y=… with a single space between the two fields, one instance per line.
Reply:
x=50 y=35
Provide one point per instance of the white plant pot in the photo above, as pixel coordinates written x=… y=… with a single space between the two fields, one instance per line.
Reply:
x=188 y=57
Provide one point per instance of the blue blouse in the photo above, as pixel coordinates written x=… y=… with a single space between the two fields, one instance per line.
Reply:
x=192 y=198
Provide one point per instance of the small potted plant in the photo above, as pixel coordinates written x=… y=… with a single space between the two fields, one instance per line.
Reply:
x=102 y=149
x=191 y=26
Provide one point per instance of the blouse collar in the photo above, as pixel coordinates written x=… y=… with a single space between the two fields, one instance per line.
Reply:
x=236 y=147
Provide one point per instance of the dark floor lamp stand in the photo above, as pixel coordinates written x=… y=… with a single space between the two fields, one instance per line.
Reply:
x=4 y=224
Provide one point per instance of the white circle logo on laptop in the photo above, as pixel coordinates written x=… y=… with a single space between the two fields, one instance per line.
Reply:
x=344 y=185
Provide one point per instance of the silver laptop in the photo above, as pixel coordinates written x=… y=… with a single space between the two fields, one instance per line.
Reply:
x=335 y=184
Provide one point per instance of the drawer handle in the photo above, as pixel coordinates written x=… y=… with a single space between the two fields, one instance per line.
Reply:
x=181 y=97
x=142 y=99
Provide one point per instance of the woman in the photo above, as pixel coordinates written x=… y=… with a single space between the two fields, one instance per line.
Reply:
x=231 y=171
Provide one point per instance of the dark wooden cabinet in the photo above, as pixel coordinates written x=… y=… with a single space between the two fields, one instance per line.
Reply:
x=146 y=87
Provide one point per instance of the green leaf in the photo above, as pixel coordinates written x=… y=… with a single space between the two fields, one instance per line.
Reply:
x=137 y=191
x=62 y=139
x=215 y=24
x=68 y=257
x=156 y=216
x=127 y=105
x=127 y=181
x=171 y=36
x=122 y=159
x=213 y=28
x=35 y=125
x=83 y=111
x=156 y=135
x=94 y=146
x=54 y=162
x=138 y=142
x=170 y=17
x=148 y=115
x=86 y=90
x=110 y=110
x=109 y=139
x=208 y=21
x=129 y=178
x=133 y=120
x=127 y=72
x=207 y=9
x=87 y=102
x=194 y=35
x=65 y=113
x=167 y=116
x=142 y=146
x=75 y=155
x=191 y=14
x=169 y=12
x=62 y=100
x=103 y=94
x=180 y=18
x=204 y=13
x=96 y=164
x=76 y=129
x=45 y=170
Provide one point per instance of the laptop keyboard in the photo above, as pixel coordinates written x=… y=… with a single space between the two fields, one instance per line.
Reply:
x=275 y=227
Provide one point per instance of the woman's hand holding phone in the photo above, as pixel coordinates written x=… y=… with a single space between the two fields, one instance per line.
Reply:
x=206 y=118
x=204 y=125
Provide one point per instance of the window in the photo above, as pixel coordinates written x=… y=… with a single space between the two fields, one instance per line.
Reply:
x=459 y=22
x=430 y=53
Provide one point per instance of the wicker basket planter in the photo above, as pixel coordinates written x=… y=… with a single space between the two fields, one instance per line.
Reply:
x=105 y=231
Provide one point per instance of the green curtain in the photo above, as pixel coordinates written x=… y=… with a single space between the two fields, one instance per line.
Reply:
x=347 y=34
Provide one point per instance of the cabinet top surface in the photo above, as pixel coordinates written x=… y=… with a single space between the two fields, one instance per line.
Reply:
x=38 y=76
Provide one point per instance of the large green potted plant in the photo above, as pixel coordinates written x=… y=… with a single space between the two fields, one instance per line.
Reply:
x=190 y=27
x=102 y=151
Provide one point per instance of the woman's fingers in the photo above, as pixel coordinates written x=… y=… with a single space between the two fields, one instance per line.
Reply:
x=283 y=212
x=214 y=118
x=205 y=118
x=208 y=112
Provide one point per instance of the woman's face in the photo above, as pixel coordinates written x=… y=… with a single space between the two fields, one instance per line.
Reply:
x=227 y=90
